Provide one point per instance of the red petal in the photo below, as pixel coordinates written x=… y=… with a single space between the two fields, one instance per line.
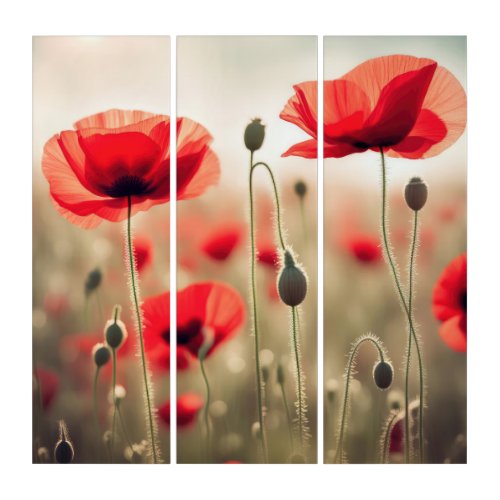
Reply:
x=306 y=149
x=302 y=108
x=454 y=333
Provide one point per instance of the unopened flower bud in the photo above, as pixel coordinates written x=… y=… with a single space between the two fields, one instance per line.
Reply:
x=254 y=135
x=115 y=332
x=63 y=451
x=93 y=281
x=300 y=189
x=416 y=193
x=382 y=374
x=101 y=354
x=292 y=282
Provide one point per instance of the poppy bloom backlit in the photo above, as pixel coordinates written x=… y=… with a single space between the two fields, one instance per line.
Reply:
x=213 y=308
x=449 y=303
x=222 y=241
x=408 y=106
x=119 y=157
x=188 y=406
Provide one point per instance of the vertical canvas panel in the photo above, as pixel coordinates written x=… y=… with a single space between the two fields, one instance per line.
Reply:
x=229 y=88
x=404 y=96
x=91 y=155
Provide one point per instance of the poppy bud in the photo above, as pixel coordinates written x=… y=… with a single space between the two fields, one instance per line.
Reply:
x=292 y=282
x=93 y=281
x=300 y=189
x=101 y=354
x=63 y=451
x=280 y=374
x=254 y=135
x=416 y=193
x=115 y=332
x=382 y=374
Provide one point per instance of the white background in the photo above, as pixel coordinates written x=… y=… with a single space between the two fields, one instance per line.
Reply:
x=18 y=23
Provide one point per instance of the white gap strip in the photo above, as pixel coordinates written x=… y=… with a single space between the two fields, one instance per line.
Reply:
x=320 y=267
x=173 y=251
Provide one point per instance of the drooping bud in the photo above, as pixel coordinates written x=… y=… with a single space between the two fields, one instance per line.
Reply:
x=93 y=281
x=63 y=451
x=383 y=374
x=115 y=332
x=254 y=135
x=300 y=189
x=292 y=282
x=416 y=193
x=101 y=354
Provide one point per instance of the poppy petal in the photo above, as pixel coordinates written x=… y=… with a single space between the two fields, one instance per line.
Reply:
x=306 y=149
x=454 y=333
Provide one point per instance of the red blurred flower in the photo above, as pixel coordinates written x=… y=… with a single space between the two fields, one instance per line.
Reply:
x=365 y=248
x=188 y=406
x=449 y=303
x=409 y=106
x=143 y=252
x=116 y=155
x=203 y=308
x=48 y=381
x=267 y=254
x=222 y=240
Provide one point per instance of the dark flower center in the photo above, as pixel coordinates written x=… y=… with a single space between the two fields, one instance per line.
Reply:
x=463 y=300
x=186 y=333
x=128 y=185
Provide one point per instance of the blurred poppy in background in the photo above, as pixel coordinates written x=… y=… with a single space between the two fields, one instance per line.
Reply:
x=143 y=252
x=449 y=303
x=48 y=387
x=117 y=156
x=409 y=106
x=188 y=406
x=222 y=241
x=364 y=248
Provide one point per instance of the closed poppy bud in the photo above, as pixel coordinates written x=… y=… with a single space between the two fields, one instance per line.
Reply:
x=292 y=282
x=382 y=374
x=93 y=281
x=63 y=451
x=101 y=354
x=416 y=193
x=254 y=135
x=300 y=189
x=115 y=332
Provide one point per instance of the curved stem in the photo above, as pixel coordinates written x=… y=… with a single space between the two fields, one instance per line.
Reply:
x=135 y=296
x=298 y=370
x=276 y=197
x=254 y=315
x=207 y=405
x=113 y=428
x=412 y=266
x=354 y=350
x=395 y=275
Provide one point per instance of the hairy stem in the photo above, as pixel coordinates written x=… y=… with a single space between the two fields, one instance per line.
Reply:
x=288 y=418
x=395 y=275
x=151 y=423
x=299 y=381
x=384 y=452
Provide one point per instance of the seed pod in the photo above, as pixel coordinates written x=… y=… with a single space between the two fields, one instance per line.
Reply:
x=101 y=354
x=93 y=281
x=292 y=282
x=416 y=193
x=63 y=451
x=382 y=374
x=300 y=189
x=254 y=135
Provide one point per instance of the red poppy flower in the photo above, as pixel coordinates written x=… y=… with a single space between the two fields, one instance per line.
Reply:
x=409 y=106
x=210 y=307
x=220 y=244
x=49 y=386
x=449 y=303
x=363 y=247
x=116 y=155
x=143 y=252
x=267 y=254
x=188 y=406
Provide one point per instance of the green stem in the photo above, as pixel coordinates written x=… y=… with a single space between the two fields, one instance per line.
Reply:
x=254 y=315
x=354 y=350
x=298 y=369
x=386 y=441
x=124 y=429
x=395 y=275
x=206 y=409
x=135 y=295
x=288 y=418
x=94 y=391
x=113 y=428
